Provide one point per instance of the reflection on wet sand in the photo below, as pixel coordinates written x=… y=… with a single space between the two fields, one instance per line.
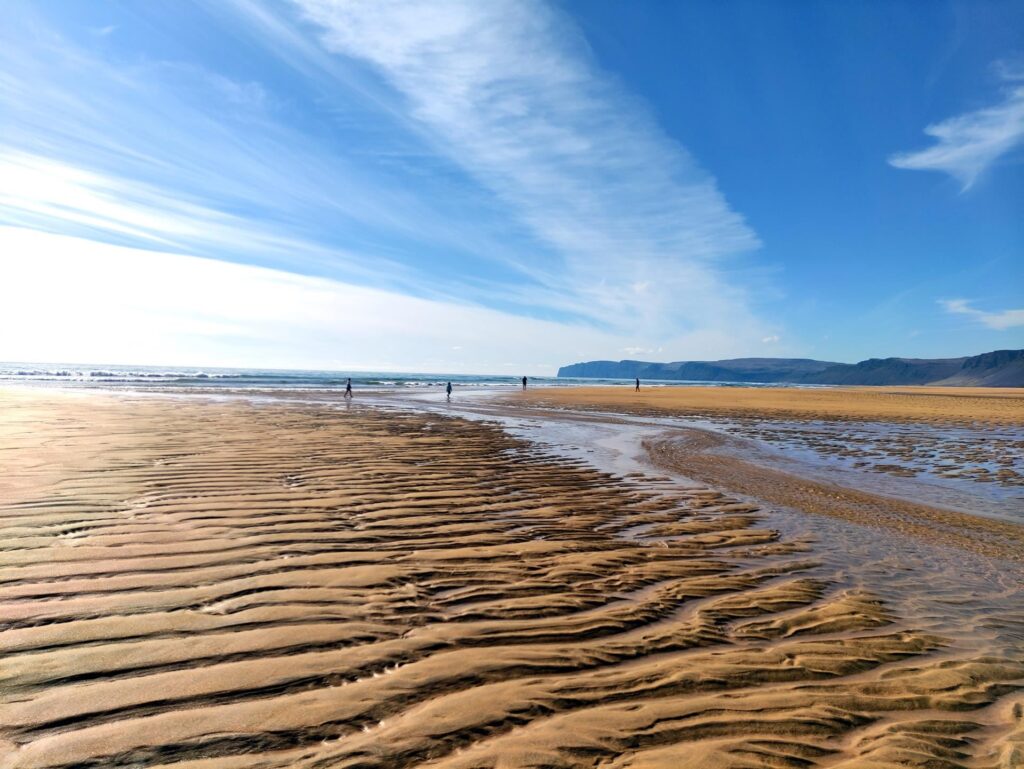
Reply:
x=698 y=455
x=932 y=446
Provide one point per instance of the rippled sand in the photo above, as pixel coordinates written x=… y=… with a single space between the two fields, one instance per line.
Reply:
x=204 y=583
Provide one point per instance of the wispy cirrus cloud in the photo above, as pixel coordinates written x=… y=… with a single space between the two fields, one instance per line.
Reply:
x=134 y=305
x=173 y=154
x=508 y=92
x=474 y=155
x=968 y=144
x=999 y=321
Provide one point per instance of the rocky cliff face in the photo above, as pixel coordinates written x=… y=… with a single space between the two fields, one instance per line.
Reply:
x=889 y=371
x=1001 y=368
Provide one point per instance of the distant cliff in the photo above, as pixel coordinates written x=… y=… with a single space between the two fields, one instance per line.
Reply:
x=1002 y=368
x=737 y=370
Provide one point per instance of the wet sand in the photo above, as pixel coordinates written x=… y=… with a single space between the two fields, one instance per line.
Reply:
x=825 y=451
x=701 y=455
x=948 y=405
x=201 y=582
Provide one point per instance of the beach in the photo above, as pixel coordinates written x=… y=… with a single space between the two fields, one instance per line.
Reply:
x=986 y=405
x=557 y=578
x=504 y=384
x=967 y=439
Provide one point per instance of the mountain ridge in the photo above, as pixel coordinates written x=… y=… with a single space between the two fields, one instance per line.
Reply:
x=999 y=368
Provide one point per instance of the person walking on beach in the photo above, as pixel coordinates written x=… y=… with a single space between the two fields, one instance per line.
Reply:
x=348 y=388
x=637 y=385
x=524 y=383
x=448 y=390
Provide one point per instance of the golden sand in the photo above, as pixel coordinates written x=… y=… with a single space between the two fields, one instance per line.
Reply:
x=219 y=584
x=927 y=404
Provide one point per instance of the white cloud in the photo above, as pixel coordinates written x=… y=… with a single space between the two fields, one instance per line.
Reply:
x=1009 y=69
x=507 y=90
x=771 y=339
x=66 y=299
x=574 y=203
x=36 y=189
x=968 y=144
x=157 y=143
x=995 y=320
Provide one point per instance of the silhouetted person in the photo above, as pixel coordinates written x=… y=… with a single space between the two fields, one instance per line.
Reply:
x=524 y=383
x=348 y=388
x=637 y=385
x=448 y=390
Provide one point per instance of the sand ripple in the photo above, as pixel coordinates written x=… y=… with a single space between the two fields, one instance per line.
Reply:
x=211 y=584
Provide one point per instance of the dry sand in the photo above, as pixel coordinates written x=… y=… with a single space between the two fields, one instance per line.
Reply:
x=199 y=583
x=949 y=405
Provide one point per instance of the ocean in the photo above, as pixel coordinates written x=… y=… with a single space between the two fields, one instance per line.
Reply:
x=134 y=377
x=207 y=378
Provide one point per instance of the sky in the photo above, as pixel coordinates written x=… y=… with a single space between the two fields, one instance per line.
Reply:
x=509 y=186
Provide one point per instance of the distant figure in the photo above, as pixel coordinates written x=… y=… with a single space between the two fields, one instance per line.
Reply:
x=348 y=388
x=637 y=385
x=448 y=390
x=524 y=383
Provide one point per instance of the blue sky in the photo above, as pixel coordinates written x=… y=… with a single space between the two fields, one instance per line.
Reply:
x=509 y=186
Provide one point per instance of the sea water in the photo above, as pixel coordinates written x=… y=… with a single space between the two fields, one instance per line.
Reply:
x=133 y=377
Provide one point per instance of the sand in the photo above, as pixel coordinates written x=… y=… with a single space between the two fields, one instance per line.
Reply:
x=218 y=583
x=963 y=436
x=950 y=405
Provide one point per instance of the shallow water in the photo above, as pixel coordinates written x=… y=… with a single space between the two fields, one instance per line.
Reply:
x=915 y=462
x=979 y=470
x=975 y=599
